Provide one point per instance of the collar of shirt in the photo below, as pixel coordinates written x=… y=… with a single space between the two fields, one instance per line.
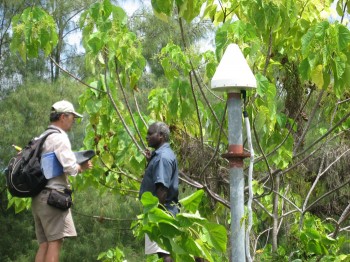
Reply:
x=162 y=147
x=60 y=129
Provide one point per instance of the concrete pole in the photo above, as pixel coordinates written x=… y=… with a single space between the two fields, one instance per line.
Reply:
x=235 y=156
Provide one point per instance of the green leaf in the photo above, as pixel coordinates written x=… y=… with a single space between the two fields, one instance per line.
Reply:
x=149 y=201
x=312 y=233
x=320 y=30
x=343 y=38
x=314 y=247
x=272 y=12
x=317 y=76
x=187 y=219
x=120 y=15
x=327 y=240
x=326 y=80
x=192 y=202
x=339 y=66
x=339 y=8
x=169 y=230
x=217 y=235
x=107 y=158
x=157 y=216
x=95 y=43
x=162 y=8
x=306 y=41
x=192 y=247
x=189 y=9
x=107 y=9
x=34 y=30
x=95 y=11
x=304 y=69
x=262 y=84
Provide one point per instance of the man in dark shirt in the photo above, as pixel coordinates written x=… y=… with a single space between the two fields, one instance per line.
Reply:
x=161 y=177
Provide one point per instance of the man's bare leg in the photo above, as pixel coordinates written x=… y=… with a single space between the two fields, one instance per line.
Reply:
x=53 y=251
x=166 y=257
x=41 y=253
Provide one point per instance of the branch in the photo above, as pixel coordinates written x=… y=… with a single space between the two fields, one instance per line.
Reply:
x=217 y=145
x=312 y=115
x=210 y=91
x=76 y=78
x=191 y=83
x=344 y=101
x=268 y=55
x=118 y=112
x=70 y=18
x=128 y=106
x=275 y=212
x=325 y=135
x=120 y=171
x=326 y=194
x=204 y=96
x=121 y=189
x=196 y=184
x=138 y=109
x=67 y=33
x=286 y=199
x=264 y=157
x=263 y=208
x=310 y=155
x=345 y=229
x=102 y=218
x=197 y=110
x=314 y=185
x=343 y=217
x=261 y=233
x=344 y=12
x=290 y=129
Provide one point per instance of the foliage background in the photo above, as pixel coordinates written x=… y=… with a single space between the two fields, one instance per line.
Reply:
x=153 y=66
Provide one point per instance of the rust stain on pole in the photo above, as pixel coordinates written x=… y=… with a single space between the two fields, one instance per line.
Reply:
x=236 y=158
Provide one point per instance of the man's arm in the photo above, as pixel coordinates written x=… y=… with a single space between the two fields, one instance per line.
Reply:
x=162 y=193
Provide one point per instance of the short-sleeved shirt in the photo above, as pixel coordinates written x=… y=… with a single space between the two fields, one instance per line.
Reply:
x=163 y=168
x=60 y=144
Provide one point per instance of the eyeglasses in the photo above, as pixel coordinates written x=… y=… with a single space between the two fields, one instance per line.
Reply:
x=74 y=116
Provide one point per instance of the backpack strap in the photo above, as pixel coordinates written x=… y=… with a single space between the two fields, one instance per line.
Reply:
x=53 y=128
x=43 y=138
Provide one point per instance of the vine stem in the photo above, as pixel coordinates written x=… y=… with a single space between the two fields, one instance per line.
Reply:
x=138 y=109
x=128 y=106
x=197 y=110
x=192 y=87
x=118 y=112
x=289 y=131
x=204 y=96
x=218 y=143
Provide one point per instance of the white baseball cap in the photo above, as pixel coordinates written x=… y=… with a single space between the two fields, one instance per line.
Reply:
x=65 y=107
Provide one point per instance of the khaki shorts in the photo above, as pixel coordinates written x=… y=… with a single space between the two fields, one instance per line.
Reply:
x=51 y=223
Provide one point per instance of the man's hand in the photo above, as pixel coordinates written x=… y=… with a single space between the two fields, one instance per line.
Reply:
x=148 y=155
x=83 y=166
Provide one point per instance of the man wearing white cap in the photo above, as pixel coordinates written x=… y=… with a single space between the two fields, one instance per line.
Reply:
x=52 y=225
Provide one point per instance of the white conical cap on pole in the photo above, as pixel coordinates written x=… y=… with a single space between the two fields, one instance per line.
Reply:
x=233 y=72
